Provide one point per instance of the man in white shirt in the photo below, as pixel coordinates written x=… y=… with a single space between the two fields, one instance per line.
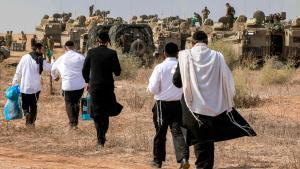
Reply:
x=208 y=91
x=28 y=72
x=69 y=66
x=167 y=109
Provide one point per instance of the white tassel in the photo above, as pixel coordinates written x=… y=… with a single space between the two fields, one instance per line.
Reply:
x=245 y=128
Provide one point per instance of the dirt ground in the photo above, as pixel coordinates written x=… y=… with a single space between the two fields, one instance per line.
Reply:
x=51 y=145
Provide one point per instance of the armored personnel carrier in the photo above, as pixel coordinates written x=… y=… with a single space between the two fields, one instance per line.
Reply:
x=50 y=26
x=74 y=30
x=269 y=37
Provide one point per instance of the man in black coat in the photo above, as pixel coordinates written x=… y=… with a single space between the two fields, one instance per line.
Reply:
x=98 y=69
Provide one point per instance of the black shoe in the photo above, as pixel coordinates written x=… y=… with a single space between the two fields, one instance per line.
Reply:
x=27 y=118
x=99 y=147
x=184 y=164
x=73 y=128
x=156 y=164
x=30 y=125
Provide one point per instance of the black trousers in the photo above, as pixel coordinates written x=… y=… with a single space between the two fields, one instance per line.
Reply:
x=203 y=148
x=101 y=108
x=165 y=115
x=101 y=124
x=72 y=100
x=29 y=106
x=204 y=153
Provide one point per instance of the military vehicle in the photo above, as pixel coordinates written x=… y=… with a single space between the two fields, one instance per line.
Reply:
x=4 y=51
x=175 y=32
x=74 y=30
x=50 y=26
x=170 y=29
x=220 y=29
x=143 y=19
x=135 y=39
x=268 y=37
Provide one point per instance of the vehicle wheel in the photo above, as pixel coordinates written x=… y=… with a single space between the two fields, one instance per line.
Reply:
x=138 y=48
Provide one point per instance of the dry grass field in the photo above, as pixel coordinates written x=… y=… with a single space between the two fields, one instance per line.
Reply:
x=276 y=120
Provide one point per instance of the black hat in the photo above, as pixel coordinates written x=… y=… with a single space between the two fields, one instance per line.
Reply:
x=103 y=36
x=37 y=46
x=69 y=43
x=200 y=36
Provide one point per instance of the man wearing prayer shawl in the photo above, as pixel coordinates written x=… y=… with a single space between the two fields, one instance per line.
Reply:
x=208 y=115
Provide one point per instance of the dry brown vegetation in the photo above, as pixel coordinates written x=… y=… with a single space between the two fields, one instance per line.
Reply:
x=50 y=145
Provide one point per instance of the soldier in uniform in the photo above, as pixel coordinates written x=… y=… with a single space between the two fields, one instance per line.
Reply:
x=196 y=18
x=7 y=38
x=230 y=12
x=33 y=41
x=44 y=42
x=2 y=41
x=91 y=8
x=50 y=43
x=24 y=40
x=205 y=13
x=10 y=38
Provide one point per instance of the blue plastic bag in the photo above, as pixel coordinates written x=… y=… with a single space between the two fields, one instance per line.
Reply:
x=12 y=108
x=86 y=107
x=12 y=93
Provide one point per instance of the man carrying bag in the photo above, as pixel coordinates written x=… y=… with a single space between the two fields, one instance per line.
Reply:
x=98 y=69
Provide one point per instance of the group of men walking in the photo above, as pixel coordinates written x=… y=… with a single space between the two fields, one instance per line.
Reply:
x=77 y=72
x=187 y=93
x=190 y=88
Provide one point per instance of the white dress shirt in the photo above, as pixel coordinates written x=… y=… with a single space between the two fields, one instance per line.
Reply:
x=28 y=72
x=160 y=82
x=69 y=66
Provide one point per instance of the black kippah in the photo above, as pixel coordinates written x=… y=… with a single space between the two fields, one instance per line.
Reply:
x=200 y=36
x=103 y=36
x=69 y=43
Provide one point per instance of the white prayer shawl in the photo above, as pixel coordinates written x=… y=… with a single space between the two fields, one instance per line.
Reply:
x=208 y=84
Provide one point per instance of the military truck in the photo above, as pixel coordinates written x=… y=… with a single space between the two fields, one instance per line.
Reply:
x=135 y=39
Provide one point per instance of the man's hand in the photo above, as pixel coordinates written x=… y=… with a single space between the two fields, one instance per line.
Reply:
x=87 y=87
x=52 y=59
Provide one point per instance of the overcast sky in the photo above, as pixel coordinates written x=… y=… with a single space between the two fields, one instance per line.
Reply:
x=24 y=15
